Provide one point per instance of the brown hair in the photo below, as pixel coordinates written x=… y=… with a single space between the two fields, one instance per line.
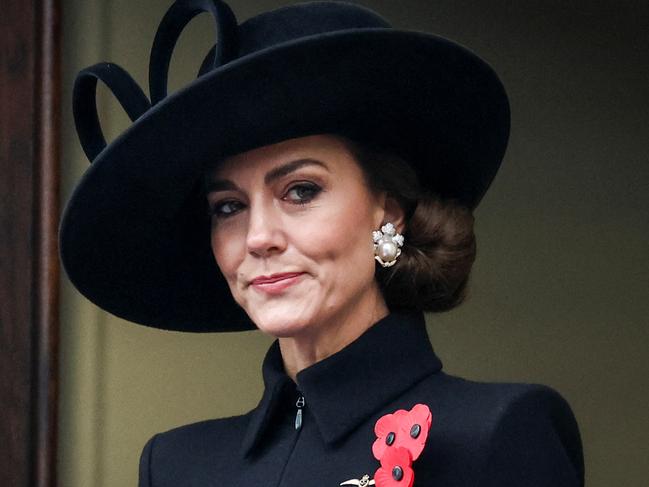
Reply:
x=432 y=272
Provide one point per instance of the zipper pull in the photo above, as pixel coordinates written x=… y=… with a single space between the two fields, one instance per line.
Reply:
x=298 y=416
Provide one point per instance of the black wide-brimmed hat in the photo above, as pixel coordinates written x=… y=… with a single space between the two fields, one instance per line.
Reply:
x=134 y=237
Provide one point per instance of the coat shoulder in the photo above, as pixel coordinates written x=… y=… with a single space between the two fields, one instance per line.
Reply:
x=504 y=433
x=169 y=455
x=487 y=403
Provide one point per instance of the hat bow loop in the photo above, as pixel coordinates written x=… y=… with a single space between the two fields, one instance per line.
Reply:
x=126 y=90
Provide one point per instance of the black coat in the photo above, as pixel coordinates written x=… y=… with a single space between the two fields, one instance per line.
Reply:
x=482 y=434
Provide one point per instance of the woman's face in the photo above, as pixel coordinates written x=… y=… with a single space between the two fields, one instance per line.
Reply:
x=292 y=234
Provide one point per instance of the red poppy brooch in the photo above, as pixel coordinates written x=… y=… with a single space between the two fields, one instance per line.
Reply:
x=400 y=439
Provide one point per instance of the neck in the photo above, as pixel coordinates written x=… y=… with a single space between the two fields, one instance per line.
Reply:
x=319 y=342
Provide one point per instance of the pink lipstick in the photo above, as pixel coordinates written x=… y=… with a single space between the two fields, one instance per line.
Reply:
x=275 y=283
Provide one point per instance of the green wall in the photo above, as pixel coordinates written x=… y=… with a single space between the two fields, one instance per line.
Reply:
x=560 y=288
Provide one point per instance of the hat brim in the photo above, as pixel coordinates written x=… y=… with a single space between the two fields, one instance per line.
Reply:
x=134 y=236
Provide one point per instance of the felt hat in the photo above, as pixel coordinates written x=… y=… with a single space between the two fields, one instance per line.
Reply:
x=134 y=237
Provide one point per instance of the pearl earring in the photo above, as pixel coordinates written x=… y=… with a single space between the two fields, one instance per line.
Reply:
x=387 y=243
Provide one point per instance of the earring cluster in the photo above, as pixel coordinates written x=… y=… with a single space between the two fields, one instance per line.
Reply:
x=387 y=245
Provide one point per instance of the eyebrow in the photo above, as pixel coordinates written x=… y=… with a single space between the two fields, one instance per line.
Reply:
x=285 y=169
x=219 y=185
x=271 y=176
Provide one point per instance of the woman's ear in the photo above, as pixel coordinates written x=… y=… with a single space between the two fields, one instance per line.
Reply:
x=394 y=213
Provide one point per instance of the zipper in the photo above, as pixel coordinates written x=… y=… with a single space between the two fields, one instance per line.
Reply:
x=299 y=404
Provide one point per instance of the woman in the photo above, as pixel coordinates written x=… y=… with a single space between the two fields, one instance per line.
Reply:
x=338 y=161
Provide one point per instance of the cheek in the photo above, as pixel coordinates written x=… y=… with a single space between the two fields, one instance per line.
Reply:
x=225 y=253
x=340 y=241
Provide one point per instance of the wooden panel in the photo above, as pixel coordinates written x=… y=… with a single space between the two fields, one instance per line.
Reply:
x=29 y=175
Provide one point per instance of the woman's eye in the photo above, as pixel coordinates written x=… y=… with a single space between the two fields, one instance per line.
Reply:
x=224 y=209
x=302 y=193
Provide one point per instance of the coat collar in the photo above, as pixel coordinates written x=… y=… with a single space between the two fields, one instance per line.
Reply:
x=377 y=367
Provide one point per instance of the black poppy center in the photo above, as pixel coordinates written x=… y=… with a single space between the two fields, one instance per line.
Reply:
x=397 y=473
x=390 y=438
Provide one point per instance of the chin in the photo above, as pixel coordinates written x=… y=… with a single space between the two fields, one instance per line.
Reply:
x=281 y=328
x=280 y=321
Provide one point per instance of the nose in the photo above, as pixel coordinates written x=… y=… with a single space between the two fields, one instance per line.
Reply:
x=266 y=235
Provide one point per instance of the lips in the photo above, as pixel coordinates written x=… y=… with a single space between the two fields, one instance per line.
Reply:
x=276 y=285
x=274 y=278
